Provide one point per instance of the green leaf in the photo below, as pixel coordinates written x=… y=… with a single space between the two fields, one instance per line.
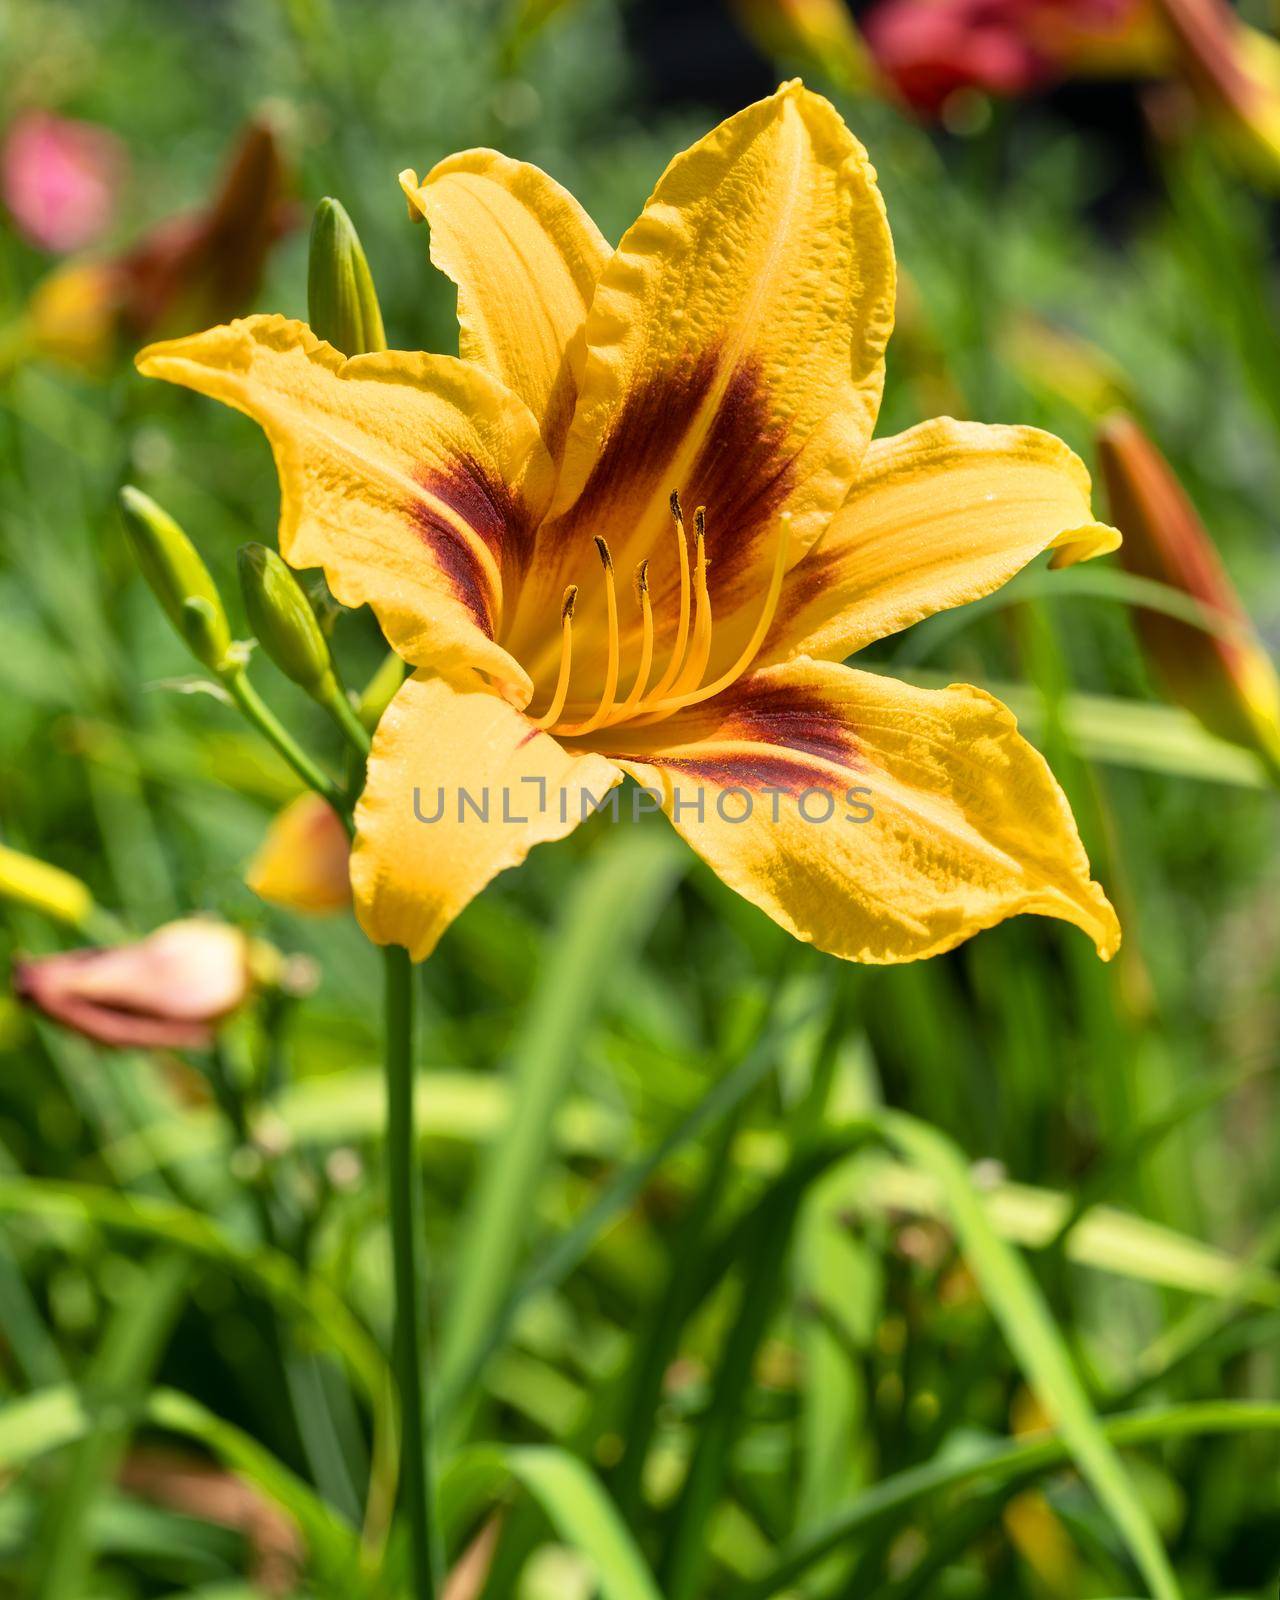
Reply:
x=571 y=1497
x=1006 y=1462
x=51 y=1418
x=1126 y=733
x=606 y=919
x=1016 y=1303
x=115 y=1384
x=274 y=1275
x=348 y=1107
x=1105 y=1239
x=563 y=1254
x=40 y=1422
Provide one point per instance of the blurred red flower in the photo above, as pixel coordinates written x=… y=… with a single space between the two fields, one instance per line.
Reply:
x=929 y=49
x=60 y=179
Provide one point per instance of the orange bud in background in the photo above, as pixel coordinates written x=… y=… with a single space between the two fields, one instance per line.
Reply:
x=1233 y=71
x=168 y=991
x=302 y=862
x=205 y=266
x=1220 y=671
x=1060 y=365
x=817 y=33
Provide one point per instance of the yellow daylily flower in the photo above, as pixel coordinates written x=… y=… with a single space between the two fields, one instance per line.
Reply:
x=637 y=528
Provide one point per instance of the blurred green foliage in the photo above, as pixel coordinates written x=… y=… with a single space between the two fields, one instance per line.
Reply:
x=700 y=1324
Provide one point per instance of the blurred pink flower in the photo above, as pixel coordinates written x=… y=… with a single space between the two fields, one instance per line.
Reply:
x=930 y=49
x=60 y=179
x=167 y=991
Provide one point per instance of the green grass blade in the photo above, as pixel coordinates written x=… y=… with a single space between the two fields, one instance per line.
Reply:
x=1016 y=1303
x=687 y=1553
x=1104 y=1239
x=564 y=1254
x=1006 y=1462
x=569 y=1494
x=333 y=1545
x=115 y=1386
x=42 y=1422
x=604 y=922
x=1127 y=733
x=268 y=1271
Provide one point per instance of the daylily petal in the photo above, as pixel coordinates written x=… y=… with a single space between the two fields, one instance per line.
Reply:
x=735 y=353
x=940 y=515
x=460 y=786
x=525 y=257
x=413 y=480
x=302 y=862
x=968 y=825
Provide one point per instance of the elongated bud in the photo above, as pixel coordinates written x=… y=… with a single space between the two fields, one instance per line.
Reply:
x=815 y=33
x=1220 y=672
x=44 y=888
x=342 y=303
x=283 y=621
x=1233 y=71
x=178 y=577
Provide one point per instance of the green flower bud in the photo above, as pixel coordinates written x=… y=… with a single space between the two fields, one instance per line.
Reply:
x=178 y=577
x=281 y=617
x=341 y=300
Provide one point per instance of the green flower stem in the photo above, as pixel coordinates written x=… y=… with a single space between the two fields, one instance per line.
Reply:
x=251 y=703
x=417 y=1498
x=335 y=702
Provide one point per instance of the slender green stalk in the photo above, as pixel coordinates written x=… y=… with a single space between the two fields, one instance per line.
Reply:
x=344 y=714
x=273 y=730
x=417 y=1499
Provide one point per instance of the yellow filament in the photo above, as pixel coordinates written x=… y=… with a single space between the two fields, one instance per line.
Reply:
x=681 y=684
x=549 y=716
x=748 y=653
x=610 y=690
x=682 y=630
x=691 y=673
x=646 y=646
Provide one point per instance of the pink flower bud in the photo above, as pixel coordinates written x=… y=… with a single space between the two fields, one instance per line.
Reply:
x=167 y=991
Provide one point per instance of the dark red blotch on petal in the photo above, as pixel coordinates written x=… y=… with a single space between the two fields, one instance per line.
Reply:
x=798 y=736
x=738 y=470
x=742 y=476
x=494 y=514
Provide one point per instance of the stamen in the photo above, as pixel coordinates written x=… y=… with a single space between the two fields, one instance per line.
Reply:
x=608 y=693
x=691 y=673
x=646 y=645
x=549 y=716
x=682 y=630
x=748 y=653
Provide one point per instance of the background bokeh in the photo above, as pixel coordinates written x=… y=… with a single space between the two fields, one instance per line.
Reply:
x=1096 y=237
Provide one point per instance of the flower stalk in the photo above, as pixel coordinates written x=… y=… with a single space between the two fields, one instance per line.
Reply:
x=417 y=1496
x=344 y=310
